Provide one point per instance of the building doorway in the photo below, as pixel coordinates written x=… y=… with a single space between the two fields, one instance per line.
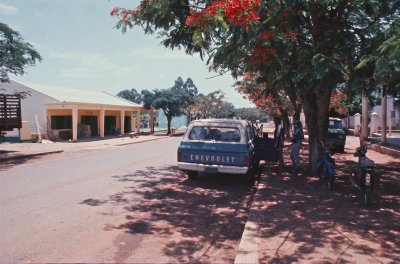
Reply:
x=110 y=125
x=92 y=122
x=127 y=124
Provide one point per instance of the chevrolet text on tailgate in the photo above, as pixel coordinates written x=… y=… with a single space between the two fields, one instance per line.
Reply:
x=217 y=146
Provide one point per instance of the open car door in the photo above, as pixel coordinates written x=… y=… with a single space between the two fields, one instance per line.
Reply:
x=265 y=149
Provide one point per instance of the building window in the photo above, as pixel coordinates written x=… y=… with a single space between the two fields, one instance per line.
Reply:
x=61 y=122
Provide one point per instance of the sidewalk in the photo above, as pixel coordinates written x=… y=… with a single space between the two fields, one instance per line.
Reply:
x=9 y=151
x=295 y=219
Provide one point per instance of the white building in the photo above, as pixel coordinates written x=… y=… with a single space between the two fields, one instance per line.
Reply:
x=393 y=112
x=72 y=114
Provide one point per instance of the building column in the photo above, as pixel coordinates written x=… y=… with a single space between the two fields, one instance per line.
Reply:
x=48 y=124
x=132 y=122
x=384 y=119
x=74 y=123
x=374 y=124
x=101 y=122
x=122 y=118
x=364 y=122
x=357 y=124
x=138 y=121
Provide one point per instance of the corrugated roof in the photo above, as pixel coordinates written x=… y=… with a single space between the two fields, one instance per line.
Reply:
x=83 y=96
x=80 y=96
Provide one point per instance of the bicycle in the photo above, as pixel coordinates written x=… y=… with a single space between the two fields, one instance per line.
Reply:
x=326 y=167
x=364 y=178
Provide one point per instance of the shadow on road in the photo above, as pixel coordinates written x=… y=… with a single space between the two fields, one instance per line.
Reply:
x=8 y=164
x=200 y=220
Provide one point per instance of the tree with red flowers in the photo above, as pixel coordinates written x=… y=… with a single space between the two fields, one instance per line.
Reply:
x=305 y=47
x=338 y=106
x=276 y=102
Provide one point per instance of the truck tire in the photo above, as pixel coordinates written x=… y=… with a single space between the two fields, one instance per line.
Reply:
x=250 y=174
x=192 y=175
x=341 y=149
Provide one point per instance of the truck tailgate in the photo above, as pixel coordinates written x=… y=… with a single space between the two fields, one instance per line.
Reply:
x=211 y=153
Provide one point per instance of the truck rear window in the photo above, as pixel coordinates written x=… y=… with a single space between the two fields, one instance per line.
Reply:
x=208 y=133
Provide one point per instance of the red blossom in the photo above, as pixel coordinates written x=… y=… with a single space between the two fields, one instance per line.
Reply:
x=126 y=13
x=214 y=8
x=197 y=19
x=237 y=12
x=290 y=35
x=242 y=12
x=266 y=35
x=337 y=101
x=114 y=11
x=260 y=55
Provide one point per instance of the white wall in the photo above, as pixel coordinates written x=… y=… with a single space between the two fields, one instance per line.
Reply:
x=31 y=106
x=390 y=107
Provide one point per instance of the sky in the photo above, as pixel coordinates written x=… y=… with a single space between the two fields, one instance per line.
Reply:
x=81 y=49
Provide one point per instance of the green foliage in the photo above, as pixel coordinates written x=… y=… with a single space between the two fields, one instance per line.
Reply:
x=187 y=91
x=224 y=110
x=147 y=99
x=174 y=101
x=212 y=105
x=131 y=95
x=380 y=53
x=297 y=47
x=252 y=114
x=168 y=101
x=15 y=53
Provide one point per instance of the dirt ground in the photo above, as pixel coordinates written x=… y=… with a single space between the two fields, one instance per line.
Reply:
x=301 y=221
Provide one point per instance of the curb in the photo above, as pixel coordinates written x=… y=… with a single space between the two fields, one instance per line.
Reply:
x=384 y=149
x=153 y=139
x=22 y=156
x=387 y=151
x=249 y=243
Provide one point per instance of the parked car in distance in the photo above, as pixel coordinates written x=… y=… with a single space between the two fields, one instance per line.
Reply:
x=336 y=134
x=218 y=146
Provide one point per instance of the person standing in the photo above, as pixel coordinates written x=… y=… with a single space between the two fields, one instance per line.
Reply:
x=279 y=141
x=296 y=145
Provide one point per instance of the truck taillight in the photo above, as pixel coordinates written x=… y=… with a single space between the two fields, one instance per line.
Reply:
x=246 y=161
x=179 y=155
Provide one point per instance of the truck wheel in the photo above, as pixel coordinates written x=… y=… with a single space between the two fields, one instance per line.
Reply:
x=192 y=175
x=341 y=149
x=250 y=175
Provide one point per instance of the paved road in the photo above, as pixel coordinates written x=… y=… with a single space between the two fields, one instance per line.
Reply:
x=120 y=204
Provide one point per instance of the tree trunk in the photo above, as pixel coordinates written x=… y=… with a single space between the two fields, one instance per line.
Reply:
x=286 y=121
x=297 y=112
x=323 y=102
x=310 y=112
x=169 y=120
x=364 y=122
x=316 y=111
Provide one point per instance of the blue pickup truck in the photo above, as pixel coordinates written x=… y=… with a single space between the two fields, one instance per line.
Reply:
x=219 y=146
